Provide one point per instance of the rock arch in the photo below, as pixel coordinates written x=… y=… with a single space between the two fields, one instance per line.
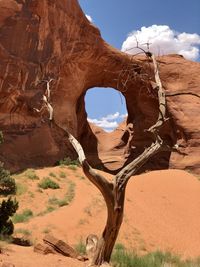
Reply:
x=71 y=51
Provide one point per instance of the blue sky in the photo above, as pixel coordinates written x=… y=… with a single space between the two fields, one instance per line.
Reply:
x=116 y=19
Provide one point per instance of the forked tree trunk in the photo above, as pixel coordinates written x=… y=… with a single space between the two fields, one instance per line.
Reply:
x=114 y=192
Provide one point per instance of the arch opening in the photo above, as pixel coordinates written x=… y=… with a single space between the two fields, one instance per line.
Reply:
x=111 y=149
x=105 y=107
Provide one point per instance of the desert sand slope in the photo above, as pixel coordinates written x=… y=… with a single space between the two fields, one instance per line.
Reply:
x=161 y=212
x=164 y=208
x=25 y=257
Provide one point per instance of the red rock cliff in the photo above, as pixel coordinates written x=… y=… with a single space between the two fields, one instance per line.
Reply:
x=40 y=40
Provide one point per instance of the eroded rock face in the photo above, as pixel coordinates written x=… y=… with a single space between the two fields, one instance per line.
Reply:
x=52 y=39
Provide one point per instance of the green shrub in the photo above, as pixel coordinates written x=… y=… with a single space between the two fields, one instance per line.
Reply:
x=72 y=167
x=70 y=192
x=7 y=183
x=67 y=161
x=62 y=175
x=7 y=209
x=119 y=246
x=48 y=209
x=52 y=174
x=25 y=232
x=21 y=189
x=67 y=199
x=6 y=238
x=48 y=183
x=23 y=217
x=62 y=202
x=81 y=247
x=123 y=258
x=58 y=202
x=53 y=201
x=30 y=174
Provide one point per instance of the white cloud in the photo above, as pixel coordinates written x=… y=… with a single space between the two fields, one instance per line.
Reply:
x=111 y=117
x=109 y=122
x=105 y=124
x=123 y=116
x=163 y=40
x=89 y=17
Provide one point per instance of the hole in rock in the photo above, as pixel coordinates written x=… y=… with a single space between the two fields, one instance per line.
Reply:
x=105 y=107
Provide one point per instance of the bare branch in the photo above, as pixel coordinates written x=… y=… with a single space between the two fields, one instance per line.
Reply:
x=77 y=146
x=98 y=180
x=161 y=99
x=49 y=107
x=48 y=92
x=123 y=176
x=38 y=110
x=46 y=99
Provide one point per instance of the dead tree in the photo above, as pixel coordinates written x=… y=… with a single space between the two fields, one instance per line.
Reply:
x=114 y=192
x=46 y=100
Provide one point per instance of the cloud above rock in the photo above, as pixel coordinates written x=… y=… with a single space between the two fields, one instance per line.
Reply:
x=109 y=122
x=163 y=40
x=89 y=17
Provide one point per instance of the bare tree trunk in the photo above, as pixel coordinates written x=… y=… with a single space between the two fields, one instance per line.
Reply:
x=107 y=241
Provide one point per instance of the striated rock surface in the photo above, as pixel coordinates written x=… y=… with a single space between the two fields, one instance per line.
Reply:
x=60 y=246
x=52 y=39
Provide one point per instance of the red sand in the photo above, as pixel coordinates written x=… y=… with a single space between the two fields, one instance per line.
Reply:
x=162 y=211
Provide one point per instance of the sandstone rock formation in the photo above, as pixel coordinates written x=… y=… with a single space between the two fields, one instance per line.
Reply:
x=52 y=39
